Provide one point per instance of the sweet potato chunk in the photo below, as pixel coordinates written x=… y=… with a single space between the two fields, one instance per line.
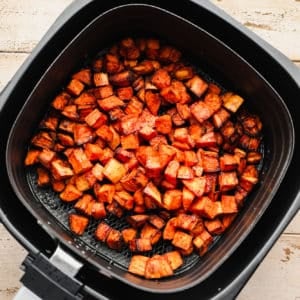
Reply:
x=43 y=177
x=150 y=232
x=79 y=161
x=78 y=223
x=82 y=134
x=95 y=119
x=129 y=234
x=176 y=92
x=75 y=87
x=102 y=231
x=182 y=240
x=157 y=267
x=227 y=181
x=232 y=101
x=172 y=199
x=70 y=193
x=114 y=239
x=229 y=204
x=196 y=185
x=114 y=170
x=137 y=264
x=60 y=169
x=174 y=259
x=110 y=103
x=197 y=85
x=140 y=245
x=152 y=191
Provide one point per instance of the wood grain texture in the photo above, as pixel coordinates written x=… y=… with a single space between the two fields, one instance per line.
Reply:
x=22 y=25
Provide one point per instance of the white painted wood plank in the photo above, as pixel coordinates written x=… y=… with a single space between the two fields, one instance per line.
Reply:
x=276 y=21
x=24 y=22
x=278 y=276
x=11 y=256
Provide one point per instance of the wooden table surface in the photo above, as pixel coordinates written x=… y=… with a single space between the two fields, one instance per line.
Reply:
x=23 y=23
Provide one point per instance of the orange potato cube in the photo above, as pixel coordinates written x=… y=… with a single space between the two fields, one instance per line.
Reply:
x=182 y=240
x=197 y=85
x=130 y=141
x=78 y=223
x=172 y=199
x=104 y=192
x=174 y=259
x=157 y=267
x=114 y=170
x=152 y=191
x=79 y=161
x=137 y=264
x=196 y=185
x=70 y=193
x=75 y=87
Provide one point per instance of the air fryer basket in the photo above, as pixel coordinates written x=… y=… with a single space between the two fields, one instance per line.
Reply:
x=216 y=59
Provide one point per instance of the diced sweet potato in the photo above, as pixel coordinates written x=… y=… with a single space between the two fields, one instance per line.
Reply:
x=228 y=162
x=32 y=157
x=214 y=226
x=229 y=204
x=129 y=124
x=92 y=151
x=187 y=222
x=163 y=124
x=175 y=93
x=137 y=264
x=60 y=101
x=157 y=267
x=58 y=185
x=95 y=119
x=220 y=117
x=150 y=232
x=101 y=79
x=153 y=101
x=170 y=229
x=140 y=245
x=85 y=181
x=124 y=199
x=114 y=239
x=70 y=193
x=122 y=79
x=202 y=242
x=185 y=172
x=114 y=170
x=129 y=234
x=135 y=180
x=254 y=157
x=187 y=198
x=207 y=140
x=125 y=93
x=171 y=171
x=134 y=107
x=152 y=191
x=79 y=161
x=110 y=103
x=43 y=140
x=161 y=79
x=84 y=204
x=174 y=259
x=82 y=134
x=201 y=111
x=205 y=207
x=78 y=223
x=45 y=157
x=232 y=101
x=184 y=73
x=130 y=141
x=60 y=169
x=137 y=220
x=156 y=221
x=172 y=199
x=227 y=181
x=84 y=75
x=227 y=220
x=43 y=177
x=102 y=231
x=182 y=240
x=196 y=185
x=197 y=85
x=75 y=87
x=210 y=161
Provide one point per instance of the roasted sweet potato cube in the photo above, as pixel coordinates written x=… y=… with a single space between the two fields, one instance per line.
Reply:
x=147 y=133
x=137 y=264
x=75 y=87
x=171 y=170
x=50 y=122
x=84 y=204
x=161 y=79
x=79 y=161
x=125 y=93
x=140 y=245
x=60 y=101
x=150 y=232
x=166 y=154
x=124 y=199
x=149 y=203
x=156 y=221
x=172 y=199
x=184 y=73
x=123 y=155
x=95 y=118
x=65 y=140
x=228 y=162
x=70 y=193
x=85 y=181
x=106 y=155
x=84 y=75
x=60 y=169
x=254 y=157
x=187 y=198
x=102 y=231
x=153 y=101
x=205 y=207
x=100 y=79
x=182 y=240
x=78 y=223
x=174 y=259
x=130 y=141
x=203 y=241
x=250 y=174
x=45 y=157
x=153 y=165
x=227 y=220
x=114 y=239
x=58 y=185
x=104 y=133
x=122 y=79
x=232 y=101
x=32 y=157
x=187 y=222
x=137 y=221
x=211 y=181
x=115 y=209
x=220 y=117
x=104 y=192
x=197 y=85
x=185 y=172
x=98 y=210
x=213 y=101
x=110 y=103
x=85 y=100
x=83 y=134
x=157 y=267
x=201 y=111
x=196 y=185
x=198 y=228
x=135 y=180
x=92 y=151
x=207 y=140
x=163 y=124
x=214 y=226
x=175 y=93
x=129 y=124
x=134 y=107
x=228 y=181
x=70 y=111
x=43 y=140
x=190 y=158
x=114 y=170
x=43 y=177
x=129 y=234
x=143 y=68
x=229 y=204
x=152 y=191
x=170 y=229
x=210 y=161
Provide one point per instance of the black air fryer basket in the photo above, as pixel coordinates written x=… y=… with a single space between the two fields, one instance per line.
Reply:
x=62 y=266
